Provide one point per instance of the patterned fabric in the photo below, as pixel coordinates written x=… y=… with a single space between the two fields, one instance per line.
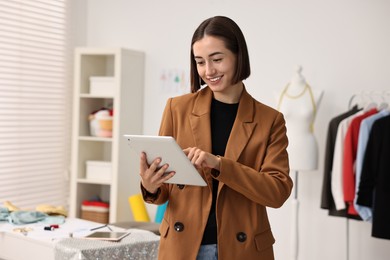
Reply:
x=140 y=245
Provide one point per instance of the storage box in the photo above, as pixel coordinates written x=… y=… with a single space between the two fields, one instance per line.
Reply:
x=95 y=211
x=99 y=170
x=103 y=86
x=99 y=217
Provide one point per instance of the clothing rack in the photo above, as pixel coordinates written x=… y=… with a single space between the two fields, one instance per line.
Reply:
x=367 y=101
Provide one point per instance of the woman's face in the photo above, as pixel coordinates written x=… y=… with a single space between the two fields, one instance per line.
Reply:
x=215 y=63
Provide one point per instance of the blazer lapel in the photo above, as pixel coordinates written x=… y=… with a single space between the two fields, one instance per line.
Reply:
x=200 y=125
x=200 y=120
x=242 y=128
x=241 y=132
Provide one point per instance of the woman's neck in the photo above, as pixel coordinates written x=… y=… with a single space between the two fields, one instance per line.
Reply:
x=231 y=95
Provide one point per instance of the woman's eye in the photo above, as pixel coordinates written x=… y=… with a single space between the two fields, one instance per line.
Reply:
x=217 y=60
x=200 y=62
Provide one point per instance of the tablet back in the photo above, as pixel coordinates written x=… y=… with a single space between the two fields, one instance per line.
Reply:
x=170 y=152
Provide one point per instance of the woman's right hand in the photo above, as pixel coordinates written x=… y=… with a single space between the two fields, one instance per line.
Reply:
x=153 y=175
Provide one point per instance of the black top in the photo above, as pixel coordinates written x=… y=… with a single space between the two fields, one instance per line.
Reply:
x=222 y=118
x=375 y=178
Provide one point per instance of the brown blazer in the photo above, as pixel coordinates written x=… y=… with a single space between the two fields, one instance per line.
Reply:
x=253 y=176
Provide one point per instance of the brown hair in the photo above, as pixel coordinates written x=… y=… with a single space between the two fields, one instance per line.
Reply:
x=228 y=31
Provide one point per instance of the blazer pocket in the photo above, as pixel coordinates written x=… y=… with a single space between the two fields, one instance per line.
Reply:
x=264 y=240
x=164 y=227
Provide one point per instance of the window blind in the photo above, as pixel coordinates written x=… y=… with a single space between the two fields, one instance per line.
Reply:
x=34 y=103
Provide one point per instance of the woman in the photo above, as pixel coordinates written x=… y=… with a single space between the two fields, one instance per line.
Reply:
x=237 y=144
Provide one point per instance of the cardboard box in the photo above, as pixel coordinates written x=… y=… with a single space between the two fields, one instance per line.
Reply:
x=103 y=86
x=99 y=170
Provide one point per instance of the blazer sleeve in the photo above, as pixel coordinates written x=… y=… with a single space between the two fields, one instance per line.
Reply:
x=166 y=126
x=166 y=129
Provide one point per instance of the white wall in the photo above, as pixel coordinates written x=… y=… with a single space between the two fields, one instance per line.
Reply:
x=343 y=47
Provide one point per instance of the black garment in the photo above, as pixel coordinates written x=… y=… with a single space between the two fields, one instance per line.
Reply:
x=374 y=186
x=222 y=118
x=327 y=201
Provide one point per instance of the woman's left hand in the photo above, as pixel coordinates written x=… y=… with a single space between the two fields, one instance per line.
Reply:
x=202 y=159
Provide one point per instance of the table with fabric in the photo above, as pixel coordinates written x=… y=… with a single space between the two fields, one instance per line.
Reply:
x=139 y=244
x=67 y=242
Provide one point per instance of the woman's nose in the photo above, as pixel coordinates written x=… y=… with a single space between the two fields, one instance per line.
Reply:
x=210 y=70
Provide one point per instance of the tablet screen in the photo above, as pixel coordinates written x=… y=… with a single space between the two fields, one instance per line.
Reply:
x=170 y=152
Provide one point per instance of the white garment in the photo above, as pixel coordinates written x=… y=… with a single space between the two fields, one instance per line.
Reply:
x=338 y=157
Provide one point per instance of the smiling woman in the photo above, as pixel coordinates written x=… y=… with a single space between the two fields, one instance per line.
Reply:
x=238 y=146
x=34 y=102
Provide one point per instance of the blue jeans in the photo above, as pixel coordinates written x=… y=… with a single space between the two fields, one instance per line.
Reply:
x=208 y=252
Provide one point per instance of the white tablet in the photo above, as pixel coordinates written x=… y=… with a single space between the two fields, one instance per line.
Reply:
x=107 y=235
x=170 y=152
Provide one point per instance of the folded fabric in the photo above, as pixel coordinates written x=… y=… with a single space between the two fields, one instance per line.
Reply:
x=4 y=213
x=96 y=203
x=52 y=210
x=26 y=217
x=10 y=206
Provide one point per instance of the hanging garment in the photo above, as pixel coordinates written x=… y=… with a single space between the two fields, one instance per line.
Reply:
x=375 y=178
x=365 y=127
x=350 y=151
x=327 y=201
x=337 y=172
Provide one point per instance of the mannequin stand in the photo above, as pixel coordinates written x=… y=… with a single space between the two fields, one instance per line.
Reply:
x=294 y=227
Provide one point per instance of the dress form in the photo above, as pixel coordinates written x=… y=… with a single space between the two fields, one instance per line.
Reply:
x=299 y=104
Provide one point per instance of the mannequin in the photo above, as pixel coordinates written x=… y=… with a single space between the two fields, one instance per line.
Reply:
x=299 y=104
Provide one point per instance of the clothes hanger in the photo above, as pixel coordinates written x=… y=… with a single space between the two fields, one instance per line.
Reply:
x=370 y=104
x=386 y=94
x=350 y=102
x=383 y=104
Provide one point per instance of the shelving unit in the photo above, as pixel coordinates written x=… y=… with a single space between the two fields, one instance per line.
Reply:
x=127 y=69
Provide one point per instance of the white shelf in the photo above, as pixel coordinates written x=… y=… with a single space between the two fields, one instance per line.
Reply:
x=95 y=96
x=126 y=67
x=94 y=138
x=91 y=181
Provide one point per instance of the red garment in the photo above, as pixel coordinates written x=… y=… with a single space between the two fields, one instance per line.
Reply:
x=350 y=151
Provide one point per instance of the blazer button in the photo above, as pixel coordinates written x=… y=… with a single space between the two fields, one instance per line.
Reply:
x=179 y=227
x=241 y=236
x=180 y=186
